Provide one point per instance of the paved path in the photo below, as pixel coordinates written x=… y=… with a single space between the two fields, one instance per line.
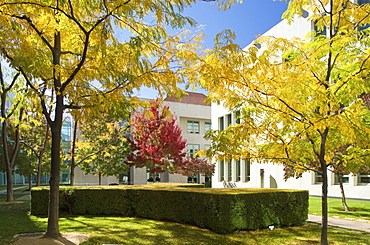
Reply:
x=342 y=223
x=16 y=188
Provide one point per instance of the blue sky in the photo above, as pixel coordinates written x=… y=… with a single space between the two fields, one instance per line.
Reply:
x=247 y=20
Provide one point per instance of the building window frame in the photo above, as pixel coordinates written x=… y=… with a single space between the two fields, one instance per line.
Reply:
x=222 y=170
x=191 y=149
x=336 y=179
x=317 y=178
x=221 y=123
x=246 y=170
x=237 y=170
x=207 y=127
x=193 y=127
x=363 y=179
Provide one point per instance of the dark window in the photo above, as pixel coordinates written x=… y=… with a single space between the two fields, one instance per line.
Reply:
x=247 y=170
x=237 y=170
x=221 y=125
x=222 y=170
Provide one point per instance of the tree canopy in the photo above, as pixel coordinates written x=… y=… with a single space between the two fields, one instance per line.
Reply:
x=157 y=143
x=71 y=57
x=301 y=99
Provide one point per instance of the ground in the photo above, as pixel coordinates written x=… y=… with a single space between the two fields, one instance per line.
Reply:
x=67 y=239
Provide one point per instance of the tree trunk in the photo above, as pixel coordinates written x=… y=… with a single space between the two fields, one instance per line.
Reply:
x=38 y=176
x=9 y=184
x=344 y=203
x=53 y=215
x=324 y=198
x=99 y=178
x=41 y=156
x=56 y=136
x=154 y=177
x=30 y=183
x=73 y=160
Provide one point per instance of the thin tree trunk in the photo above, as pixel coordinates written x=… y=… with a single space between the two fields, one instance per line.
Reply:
x=344 y=203
x=73 y=160
x=99 y=178
x=30 y=183
x=324 y=199
x=38 y=176
x=41 y=156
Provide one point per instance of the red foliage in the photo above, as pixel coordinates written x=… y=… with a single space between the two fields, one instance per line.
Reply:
x=193 y=166
x=157 y=143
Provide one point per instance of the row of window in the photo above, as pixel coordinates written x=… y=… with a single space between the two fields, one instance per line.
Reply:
x=241 y=170
x=194 y=127
x=191 y=149
x=227 y=120
x=362 y=179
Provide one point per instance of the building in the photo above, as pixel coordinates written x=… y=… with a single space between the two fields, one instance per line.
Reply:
x=244 y=173
x=193 y=115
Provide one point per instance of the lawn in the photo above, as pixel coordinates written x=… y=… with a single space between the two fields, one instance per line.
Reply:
x=3 y=187
x=14 y=219
x=360 y=210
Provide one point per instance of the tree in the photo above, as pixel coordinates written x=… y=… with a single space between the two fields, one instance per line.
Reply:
x=71 y=48
x=300 y=99
x=101 y=149
x=36 y=143
x=157 y=142
x=193 y=166
x=11 y=118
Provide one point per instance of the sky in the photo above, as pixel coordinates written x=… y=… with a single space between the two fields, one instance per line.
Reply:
x=247 y=20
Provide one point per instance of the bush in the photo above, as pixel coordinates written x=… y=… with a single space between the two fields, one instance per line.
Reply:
x=221 y=210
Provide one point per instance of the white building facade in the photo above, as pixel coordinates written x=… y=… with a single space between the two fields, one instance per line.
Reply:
x=245 y=174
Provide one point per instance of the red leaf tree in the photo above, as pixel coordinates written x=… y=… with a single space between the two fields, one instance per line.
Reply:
x=157 y=142
x=193 y=166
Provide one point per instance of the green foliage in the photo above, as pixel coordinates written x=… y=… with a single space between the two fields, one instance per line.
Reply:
x=221 y=210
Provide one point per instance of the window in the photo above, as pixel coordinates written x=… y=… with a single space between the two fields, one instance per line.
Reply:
x=229 y=120
x=207 y=127
x=247 y=170
x=221 y=125
x=222 y=170
x=192 y=149
x=363 y=178
x=317 y=178
x=229 y=171
x=237 y=170
x=193 y=127
x=237 y=117
x=319 y=30
x=345 y=179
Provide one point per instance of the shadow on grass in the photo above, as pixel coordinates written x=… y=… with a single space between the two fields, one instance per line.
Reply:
x=14 y=220
x=128 y=230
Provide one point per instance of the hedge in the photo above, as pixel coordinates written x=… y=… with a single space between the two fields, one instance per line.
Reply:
x=221 y=210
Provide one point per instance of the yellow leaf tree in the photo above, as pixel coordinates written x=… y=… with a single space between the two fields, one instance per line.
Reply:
x=301 y=99
x=92 y=54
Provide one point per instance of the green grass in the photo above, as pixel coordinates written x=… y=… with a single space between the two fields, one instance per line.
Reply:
x=3 y=187
x=14 y=219
x=360 y=210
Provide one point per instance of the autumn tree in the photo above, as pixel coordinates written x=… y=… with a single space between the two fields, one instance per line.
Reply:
x=195 y=165
x=300 y=98
x=73 y=48
x=101 y=149
x=157 y=143
x=11 y=113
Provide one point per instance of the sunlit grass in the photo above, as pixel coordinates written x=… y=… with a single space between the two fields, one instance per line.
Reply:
x=14 y=219
x=360 y=210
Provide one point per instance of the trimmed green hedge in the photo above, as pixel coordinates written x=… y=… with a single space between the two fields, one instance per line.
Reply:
x=221 y=210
